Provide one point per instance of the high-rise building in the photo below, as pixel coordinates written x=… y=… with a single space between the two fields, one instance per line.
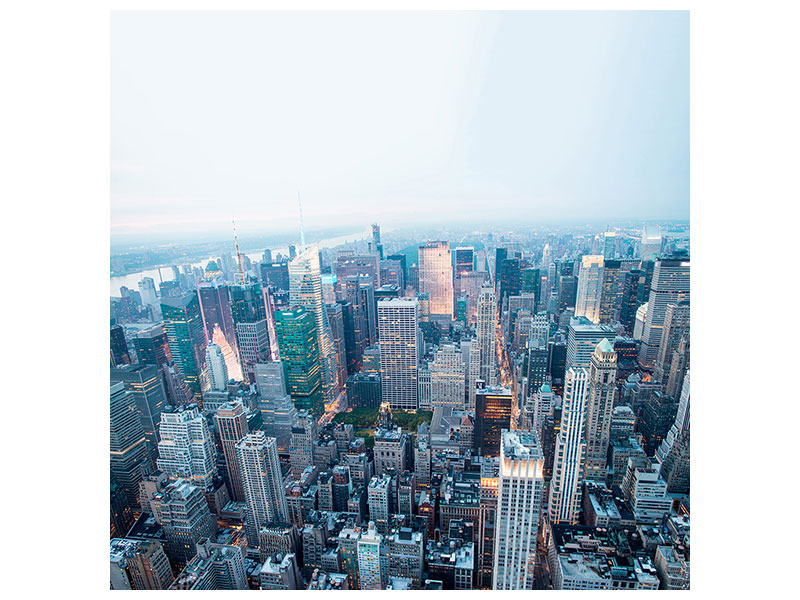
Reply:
x=464 y=257
x=436 y=277
x=650 y=245
x=147 y=291
x=130 y=461
x=264 y=493
x=373 y=560
x=359 y=292
x=672 y=455
x=493 y=409
x=149 y=395
x=217 y=371
x=590 y=288
x=676 y=327
x=378 y=494
x=447 y=378
x=139 y=565
x=182 y=511
x=305 y=289
x=582 y=338
x=509 y=279
x=152 y=347
x=519 y=505
x=249 y=313
x=397 y=327
x=215 y=306
x=486 y=331
x=299 y=350
x=670 y=285
x=119 y=347
x=187 y=341
x=214 y=567
x=232 y=426
x=599 y=407
x=336 y=319
x=570 y=451
x=186 y=450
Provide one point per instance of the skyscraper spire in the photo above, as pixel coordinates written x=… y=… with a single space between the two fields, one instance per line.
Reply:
x=238 y=254
x=302 y=230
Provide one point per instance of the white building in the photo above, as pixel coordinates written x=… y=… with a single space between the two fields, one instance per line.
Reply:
x=263 y=487
x=519 y=506
x=570 y=451
x=397 y=333
x=186 y=449
x=217 y=370
x=447 y=378
x=486 y=330
x=599 y=408
x=373 y=560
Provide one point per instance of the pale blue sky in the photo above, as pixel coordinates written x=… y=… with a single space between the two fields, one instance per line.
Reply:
x=396 y=117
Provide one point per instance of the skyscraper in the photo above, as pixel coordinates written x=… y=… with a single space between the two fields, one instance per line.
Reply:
x=670 y=285
x=485 y=332
x=590 y=288
x=184 y=326
x=262 y=482
x=436 y=277
x=493 y=409
x=129 y=457
x=182 y=511
x=373 y=560
x=570 y=451
x=152 y=346
x=359 y=292
x=672 y=455
x=232 y=427
x=599 y=406
x=397 y=335
x=186 y=450
x=299 y=349
x=215 y=306
x=582 y=338
x=464 y=257
x=149 y=396
x=249 y=313
x=305 y=289
x=447 y=378
x=676 y=327
x=650 y=245
x=119 y=347
x=519 y=505
x=217 y=371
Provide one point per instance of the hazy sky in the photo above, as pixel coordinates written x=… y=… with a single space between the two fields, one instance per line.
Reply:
x=396 y=117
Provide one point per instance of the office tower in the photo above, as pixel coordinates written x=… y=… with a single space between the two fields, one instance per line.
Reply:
x=485 y=332
x=673 y=453
x=299 y=349
x=520 y=490
x=469 y=283
x=336 y=319
x=582 y=338
x=184 y=326
x=376 y=246
x=612 y=288
x=537 y=368
x=531 y=283
x=262 y=482
x=215 y=306
x=328 y=283
x=499 y=256
x=353 y=352
x=650 y=245
x=186 y=450
x=152 y=347
x=401 y=259
x=275 y=275
x=557 y=363
x=447 y=378
x=599 y=406
x=348 y=264
x=149 y=396
x=249 y=312
x=364 y=390
x=182 y=511
x=609 y=245
x=378 y=492
x=567 y=291
x=509 y=280
x=130 y=460
x=397 y=335
x=392 y=274
x=678 y=367
x=492 y=414
x=436 y=277
x=232 y=426
x=305 y=289
x=676 y=328
x=422 y=457
x=626 y=312
x=570 y=451
x=373 y=560
x=359 y=291
x=670 y=285
x=473 y=353
x=121 y=515
x=217 y=371
x=119 y=347
x=641 y=318
x=214 y=567
x=301 y=442
x=464 y=257
x=590 y=288
x=139 y=565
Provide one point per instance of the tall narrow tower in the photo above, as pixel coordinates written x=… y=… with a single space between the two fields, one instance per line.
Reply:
x=486 y=331
x=599 y=406
x=232 y=427
x=397 y=336
x=436 y=277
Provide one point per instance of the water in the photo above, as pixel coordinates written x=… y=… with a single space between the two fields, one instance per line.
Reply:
x=165 y=273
